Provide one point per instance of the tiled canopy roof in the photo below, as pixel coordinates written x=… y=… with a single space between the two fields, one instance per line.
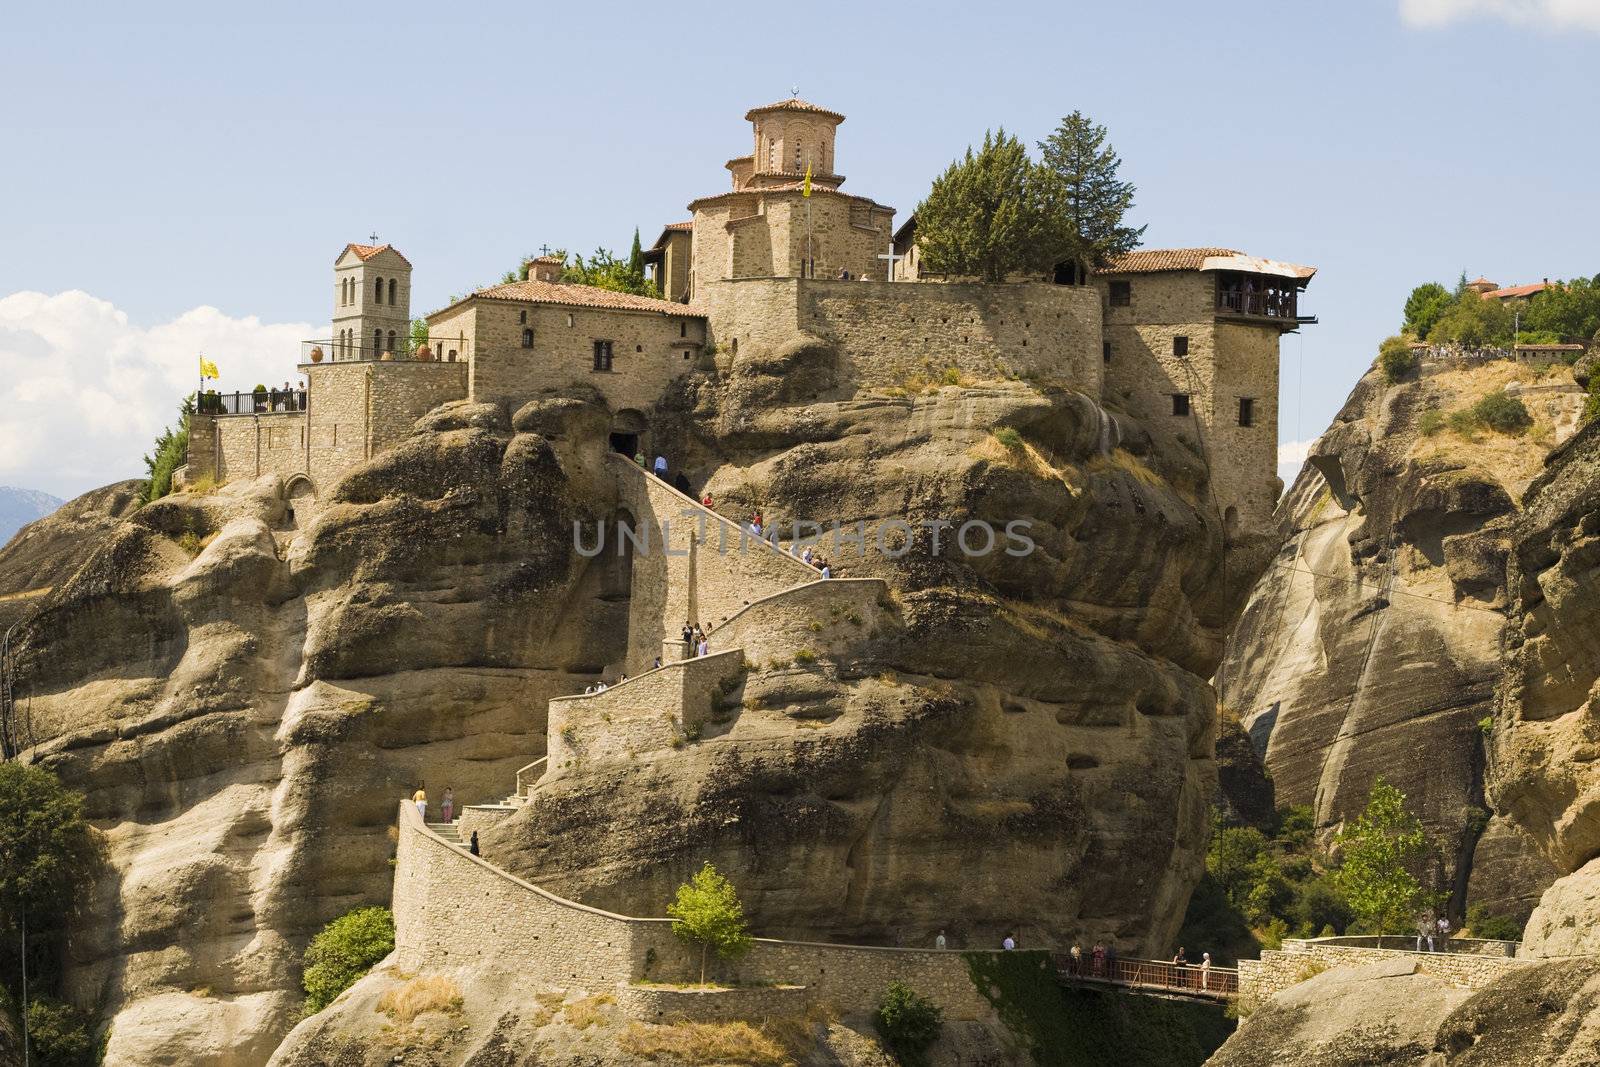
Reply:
x=366 y=252
x=793 y=104
x=1150 y=260
x=1512 y=291
x=587 y=296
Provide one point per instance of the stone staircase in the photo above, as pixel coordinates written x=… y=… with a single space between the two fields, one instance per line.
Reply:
x=448 y=831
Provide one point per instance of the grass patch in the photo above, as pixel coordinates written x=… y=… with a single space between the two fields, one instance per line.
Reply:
x=1008 y=438
x=704 y=1043
x=1066 y=1027
x=1120 y=459
x=584 y=1013
x=805 y=655
x=420 y=995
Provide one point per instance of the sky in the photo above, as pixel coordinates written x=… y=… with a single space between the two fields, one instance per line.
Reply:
x=178 y=178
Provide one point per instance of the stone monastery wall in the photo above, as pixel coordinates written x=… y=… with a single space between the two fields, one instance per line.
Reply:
x=452 y=909
x=1277 y=970
x=889 y=332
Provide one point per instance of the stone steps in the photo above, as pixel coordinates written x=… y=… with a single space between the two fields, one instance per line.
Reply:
x=446 y=830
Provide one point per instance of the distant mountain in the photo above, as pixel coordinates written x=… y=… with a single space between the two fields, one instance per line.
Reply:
x=18 y=507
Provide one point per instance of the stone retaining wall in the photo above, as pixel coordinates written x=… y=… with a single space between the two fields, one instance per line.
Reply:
x=822 y=617
x=665 y=1004
x=1277 y=970
x=452 y=909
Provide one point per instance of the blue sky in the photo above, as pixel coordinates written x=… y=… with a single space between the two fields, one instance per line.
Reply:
x=182 y=175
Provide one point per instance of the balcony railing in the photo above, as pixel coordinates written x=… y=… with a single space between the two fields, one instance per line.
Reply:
x=403 y=349
x=269 y=400
x=1268 y=303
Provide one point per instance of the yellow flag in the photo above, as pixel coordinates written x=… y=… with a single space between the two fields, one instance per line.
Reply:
x=806 y=187
x=208 y=369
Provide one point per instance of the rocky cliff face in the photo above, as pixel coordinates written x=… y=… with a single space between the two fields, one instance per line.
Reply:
x=1372 y=645
x=1024 y=745
x=47 y=551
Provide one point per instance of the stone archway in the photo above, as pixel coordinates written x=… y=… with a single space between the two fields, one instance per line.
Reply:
x=628 y=427
x=300 y=493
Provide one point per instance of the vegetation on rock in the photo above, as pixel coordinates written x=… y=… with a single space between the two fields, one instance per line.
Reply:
x=909 y=1023
x=346 y=949
x=1383 y=849
x=171 y=451
x=1065 y=1027
x=1396 y=358
x=1565 y=311
x=707 y=913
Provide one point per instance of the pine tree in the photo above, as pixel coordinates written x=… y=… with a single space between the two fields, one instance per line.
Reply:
x=636 y=256
x=984 y=215
x=1086 y=202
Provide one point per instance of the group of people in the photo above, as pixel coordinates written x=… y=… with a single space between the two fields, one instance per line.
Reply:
x=1431 y=931
x=447 y=812
x=1181 y=959
x=1099 y=962
x=601 y=686
x=694 y=639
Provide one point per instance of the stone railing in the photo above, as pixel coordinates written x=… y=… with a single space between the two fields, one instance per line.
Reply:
x=1298 y=960
x=820 y=617
x=1470 y=946
x=453 y=909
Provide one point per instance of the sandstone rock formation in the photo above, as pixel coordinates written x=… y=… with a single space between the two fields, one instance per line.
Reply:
x=47 y=551
x=1024 y=744
x=1542 y=773
x=1384 y=1013
x=1372 y=645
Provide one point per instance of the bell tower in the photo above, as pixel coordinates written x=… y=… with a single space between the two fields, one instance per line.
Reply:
x=371 y=302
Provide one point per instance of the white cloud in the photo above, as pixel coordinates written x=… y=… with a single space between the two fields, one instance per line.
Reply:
x=1291 y=457
x=1547 y=14
x=84 y=392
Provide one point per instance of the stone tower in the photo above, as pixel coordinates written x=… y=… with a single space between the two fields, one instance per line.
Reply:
x=371 y=302
x=789 y=136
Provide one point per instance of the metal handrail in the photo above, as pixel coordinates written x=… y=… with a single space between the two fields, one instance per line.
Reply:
x=402 y=350
x=265 y=402
x=1150 y=974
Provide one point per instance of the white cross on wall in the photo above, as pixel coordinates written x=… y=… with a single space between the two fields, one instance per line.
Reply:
x=893 y=259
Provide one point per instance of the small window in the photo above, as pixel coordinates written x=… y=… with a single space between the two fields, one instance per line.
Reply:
x=391 y=291
x=377 y=290
x=377 y=342
x=569 y=318
x=1180 y=403
x=527 y=338
x=602 y=355
x=683 y=329
x=1180 y=346
x=1247 y=411
x=391 y=340
x=638 y=348
x=1105 y=351
x=1121 y=294
x=522 y=318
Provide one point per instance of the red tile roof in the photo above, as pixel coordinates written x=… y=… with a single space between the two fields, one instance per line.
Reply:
x=672 y=227
x=1513 y=291
x=793 y=104
x=548 y=259
x=788 y=187
x=572 y=295
x=1150 y=260
x=366 y=252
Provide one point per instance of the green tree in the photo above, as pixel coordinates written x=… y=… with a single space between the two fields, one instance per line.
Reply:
x=1473 y=321
x=605 y=271
x=1503 y=413
x=1591 y=406
x=636 y=256
x=1085 y=203
x=985 y=215
x=1424 y=306
x=171 y=452
x=1396 y=358
x=60 y=1035
x=47 y=859
x=346 y=949
x=419 y=332
x=909 y=1023
x=1383 y=847
x=1568 y=311
x=707 y=913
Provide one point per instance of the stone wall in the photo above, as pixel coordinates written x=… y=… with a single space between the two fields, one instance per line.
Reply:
x=707 y=570
x=822 y=619
x=452 y=909
x=649 y=349
x=664 y=1004
x=1298 y=960
x=888 y=333
x=658 y=709
x=249 y=446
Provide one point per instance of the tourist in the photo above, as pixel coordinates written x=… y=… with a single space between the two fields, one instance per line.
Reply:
x=688 y=633
x=588 y=691
x=1444 y=934
x=1180 y=959
x=656 y=666
x=807 y=556
x=938 y=942
x=705 y=501
x=827 y=569
x=1424 y=931
x=1111 y=960
x=420 y=798
x=1097 y=958
x=704 y=647
x=1009 y=943
x=638 y=457
x=844 y=275
x=661 y=467
x=473 y=847
x=1077 y=959
x=1205 y=970
x=447 y=806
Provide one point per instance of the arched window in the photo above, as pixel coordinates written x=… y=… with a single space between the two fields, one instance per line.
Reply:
x=527 y=338
x=377 y=290
x=772 y=154
x=391 y=341
x=391 y=291
x=377 y=342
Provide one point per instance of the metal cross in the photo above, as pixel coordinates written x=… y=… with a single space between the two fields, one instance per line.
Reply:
x=373 y=237
x=893 y=259
x=544 y=250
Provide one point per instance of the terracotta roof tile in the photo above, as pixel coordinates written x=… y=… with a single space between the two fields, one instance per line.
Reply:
x=789 y=187
x=572 y=295
x=1512 y=291
x=793 y=104
x=366 y=252
x=1150 y=260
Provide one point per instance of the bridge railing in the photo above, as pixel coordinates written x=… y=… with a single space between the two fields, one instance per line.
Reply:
x=1150 y=974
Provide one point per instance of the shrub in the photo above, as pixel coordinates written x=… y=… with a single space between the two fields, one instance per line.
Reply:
x=1431 y=422
x=1591 y=407
x=1505 y=414
x=805 y=655
x=909 y=1023
x=1008 y=438
x=60 y=1035
x=433 y=993
x=1463 y=423
x=1396 y=358
x=346 y=949
x=1492 y=927
x=171 y=452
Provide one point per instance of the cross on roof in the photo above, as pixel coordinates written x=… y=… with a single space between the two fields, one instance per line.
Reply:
x=794 y=90
x=373 y=237
x=544 y=250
